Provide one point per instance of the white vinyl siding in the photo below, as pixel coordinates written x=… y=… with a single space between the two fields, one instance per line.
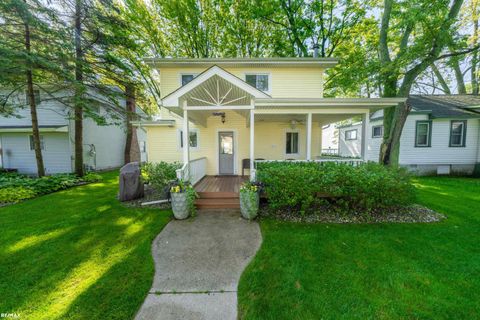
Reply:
x=17 y=153
x=439 y=152
x=350 y=147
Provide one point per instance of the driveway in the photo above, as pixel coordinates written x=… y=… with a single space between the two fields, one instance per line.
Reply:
x=198 y=263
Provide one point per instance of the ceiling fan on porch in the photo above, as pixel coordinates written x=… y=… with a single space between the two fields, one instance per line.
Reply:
x=295 y=122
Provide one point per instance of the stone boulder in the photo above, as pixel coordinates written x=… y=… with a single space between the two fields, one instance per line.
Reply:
x=131 y=184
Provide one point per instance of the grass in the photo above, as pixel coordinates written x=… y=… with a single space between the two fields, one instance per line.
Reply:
x=376 y=271
x=77 y=254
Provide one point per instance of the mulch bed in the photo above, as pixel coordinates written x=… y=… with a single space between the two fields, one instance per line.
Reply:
x=411 y=214
x=150 y=195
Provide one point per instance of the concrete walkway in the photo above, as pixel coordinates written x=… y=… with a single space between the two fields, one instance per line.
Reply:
x=198 y=263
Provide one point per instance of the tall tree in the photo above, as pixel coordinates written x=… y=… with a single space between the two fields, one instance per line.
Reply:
x=28 y=57
x=31 y=98
x=416 y=46
x=79 y=89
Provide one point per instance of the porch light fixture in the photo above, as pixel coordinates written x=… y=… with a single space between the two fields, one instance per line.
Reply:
x=220 y=114
x=293 y=124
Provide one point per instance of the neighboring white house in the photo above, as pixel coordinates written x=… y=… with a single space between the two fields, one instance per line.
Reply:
x=441 y=135
x=103 y=144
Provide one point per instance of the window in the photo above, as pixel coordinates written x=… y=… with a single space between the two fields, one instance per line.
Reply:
x=186 y=78
x=36 y=94
x=377 y=131
x=458 y=130
x=42 y=143
x=259 y=81
x=292 y=143
x=423 y=134
x=351 y=134
x=193 y=139
x=143 y=146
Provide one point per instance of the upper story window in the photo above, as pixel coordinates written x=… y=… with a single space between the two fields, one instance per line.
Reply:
x=36 y=94
x=377 y=131
x=259 y=81
x=423 y=133
x=187 y=77
x=351 y=134
x=42 y=143
x=458 y=130
x=292 y=143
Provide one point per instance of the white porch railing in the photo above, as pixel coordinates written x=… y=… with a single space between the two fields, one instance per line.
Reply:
x=193 y=171
x=352 y=162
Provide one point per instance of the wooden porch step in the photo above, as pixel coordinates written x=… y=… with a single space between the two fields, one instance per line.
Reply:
x=217 y=203
x=217 y=195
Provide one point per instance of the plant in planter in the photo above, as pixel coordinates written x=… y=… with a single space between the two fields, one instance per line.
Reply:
x=249 y=200
x=183 y=200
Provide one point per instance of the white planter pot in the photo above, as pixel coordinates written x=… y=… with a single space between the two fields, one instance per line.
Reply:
x=249 y=204
x=180 y=205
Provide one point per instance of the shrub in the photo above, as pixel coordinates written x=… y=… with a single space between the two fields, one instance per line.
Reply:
x=16 y=194
x=160 y=174
x=92 y=177
x=29 y=187
x=305 y=185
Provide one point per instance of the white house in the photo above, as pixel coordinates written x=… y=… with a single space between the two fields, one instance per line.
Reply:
x=441 y=135
x=103 y=144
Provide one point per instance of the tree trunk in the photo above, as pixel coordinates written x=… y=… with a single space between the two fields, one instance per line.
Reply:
x=33 y=107
x=458 y=75
x=474 y=74
x=441 y=79
x=132 y=149
x=78 y=108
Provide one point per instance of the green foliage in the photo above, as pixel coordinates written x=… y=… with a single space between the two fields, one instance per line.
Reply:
x=363 y=188
x=16 y=194
x=15 y=187
x=160 y=174
x=92 y=177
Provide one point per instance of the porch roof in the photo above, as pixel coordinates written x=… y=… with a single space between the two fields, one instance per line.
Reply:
x=321 y=103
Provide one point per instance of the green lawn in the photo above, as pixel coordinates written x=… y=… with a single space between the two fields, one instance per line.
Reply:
x=77 y=254
x=378 y=271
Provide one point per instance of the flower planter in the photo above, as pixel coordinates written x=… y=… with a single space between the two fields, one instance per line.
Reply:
x=180 y=205
x=249 y=204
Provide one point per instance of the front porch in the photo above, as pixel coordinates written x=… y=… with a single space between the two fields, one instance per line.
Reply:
x=218 y=192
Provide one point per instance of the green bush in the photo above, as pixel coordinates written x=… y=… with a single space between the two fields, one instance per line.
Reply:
x=158 y=175
x=16 y=194
x=29 y=187
x=92 y=177
x=305 y=185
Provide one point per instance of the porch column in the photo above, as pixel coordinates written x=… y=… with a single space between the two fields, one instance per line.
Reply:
x=252 y=144
x=365 y=136
x=186 y=136
x=309 y=136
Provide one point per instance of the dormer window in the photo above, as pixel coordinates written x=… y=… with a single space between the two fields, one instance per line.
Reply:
x=259 y=81
x=187 y=77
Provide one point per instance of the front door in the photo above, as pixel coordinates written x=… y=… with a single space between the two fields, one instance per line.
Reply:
x=226 y=152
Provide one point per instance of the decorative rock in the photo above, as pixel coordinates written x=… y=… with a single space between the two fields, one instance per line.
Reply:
x=131 y=185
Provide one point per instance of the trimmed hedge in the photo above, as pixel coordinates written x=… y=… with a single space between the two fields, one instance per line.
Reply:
x=306 y=185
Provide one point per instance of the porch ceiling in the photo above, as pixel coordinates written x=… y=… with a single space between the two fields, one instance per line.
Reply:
x=321 y=119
